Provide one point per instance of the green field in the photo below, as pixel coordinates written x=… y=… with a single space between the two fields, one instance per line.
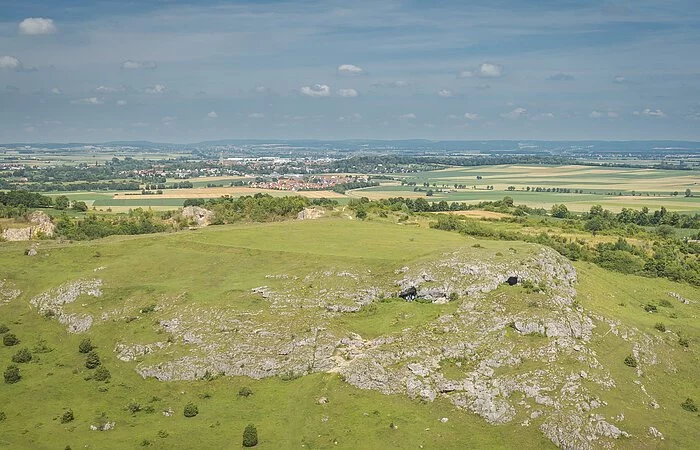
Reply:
x=205 y=278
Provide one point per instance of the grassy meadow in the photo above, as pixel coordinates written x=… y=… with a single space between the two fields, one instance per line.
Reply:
x=216 y=267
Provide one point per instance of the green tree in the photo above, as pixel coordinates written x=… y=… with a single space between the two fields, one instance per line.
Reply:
x=22 y=356
x=250 y=436
x=190 y=410
x=688 y=193
x=10 y=339
x=560 y=211
x=101 y=374
x=67 y=416
x=79 y=206
x=92 y=361
x=85 y=346
x=61 y=202
x=12 y=374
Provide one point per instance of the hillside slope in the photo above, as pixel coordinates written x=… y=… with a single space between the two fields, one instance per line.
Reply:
x=300 y=311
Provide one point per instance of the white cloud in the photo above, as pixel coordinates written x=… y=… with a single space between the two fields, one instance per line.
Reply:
x=599 y=114
x=347 y=92
x=317 y=90
x=262 y=90
x=445 y=93
x=36 y=25
x=619 y=79
x=212 y=115
x=517 y=113
x=121 y=102
x=56 y=91
x=109 y=89
x=29 y=129
x=140 y=124
x=471 y=116
x=543 y=116
x=650 y=113
x=349 y=69
x=134 y=65
x=88 y=101
x=354 y=116
x=256 y=116
x=10 y=63
x=409 y=116
x=485 y=70
x=155 y=89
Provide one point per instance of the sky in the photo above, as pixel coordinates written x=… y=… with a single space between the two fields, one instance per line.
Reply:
x=186 y=71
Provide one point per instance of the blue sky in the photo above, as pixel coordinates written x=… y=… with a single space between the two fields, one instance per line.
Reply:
x=183 y=71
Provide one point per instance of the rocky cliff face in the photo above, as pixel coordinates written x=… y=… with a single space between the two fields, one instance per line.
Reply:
x=518 y=354
x=201 y=216
x=40 y=225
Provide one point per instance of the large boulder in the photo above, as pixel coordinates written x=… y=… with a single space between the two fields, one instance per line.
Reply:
x=311 y=213
x=201 y=216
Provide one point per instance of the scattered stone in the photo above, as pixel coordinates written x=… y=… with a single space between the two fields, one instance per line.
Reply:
x=656 y=433
x=200 y=216
x=311 y=213
x=322 y=401
x=444 y=420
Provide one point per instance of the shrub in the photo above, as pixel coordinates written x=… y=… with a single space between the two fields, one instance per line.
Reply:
x=163 y=434
x=133 y=407
x=660 y=326
x=10 y=339
x=665 y=303
x=12 y=374
x=85 y=346
x=454 y=296
x=148 y=309
x=22 y=356
x=42 y=347
x=689 y=405
x=245 y=391
x=190 y=410
x=67 y=416
x=683 y=342
x=650 y=308
x=631 y=361
x=3 y=416
x=3 y=329
x=92 y=361
x=250 y=436
x=102 y=374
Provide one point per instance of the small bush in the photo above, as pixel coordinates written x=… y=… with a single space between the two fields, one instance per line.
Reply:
x=148 y=309
x=454 y=296
x=92 y=361
x=67 y=416
x=12 y=374
x=245 y=391
x=85 y=346
x=250 y=436
x=650 y=308
x=3 y=416
x=146 y=443
x=683 y=342
x=190 y=410
x=102 y=374
x=665 y=303
x=631 y=361
x=42 y=347
x=3 y=329
x=133 y=407
x=689 y=405
x=660 y=326
x=163 y=434
x=22 y=356
x=10 y=339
